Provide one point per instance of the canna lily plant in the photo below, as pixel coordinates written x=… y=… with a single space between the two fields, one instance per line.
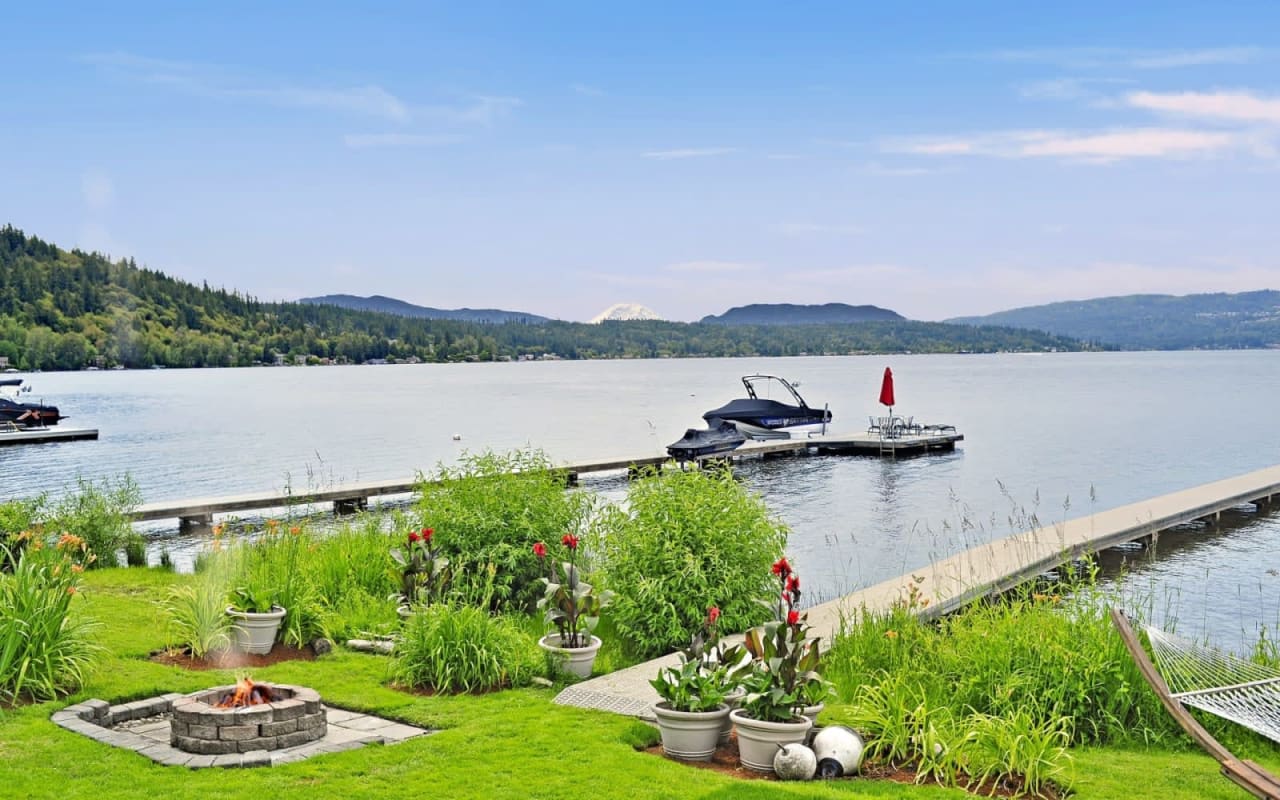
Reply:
x=787 y=661
x=708 y=670
x=570 y=603
x=423 y=574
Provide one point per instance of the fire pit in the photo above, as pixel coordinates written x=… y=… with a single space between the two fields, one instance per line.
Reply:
x=245 y=717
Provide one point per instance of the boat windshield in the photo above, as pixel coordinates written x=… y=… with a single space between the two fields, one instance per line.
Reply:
x=761 y=387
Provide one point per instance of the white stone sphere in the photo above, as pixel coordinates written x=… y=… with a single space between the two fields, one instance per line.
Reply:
x=795 y=762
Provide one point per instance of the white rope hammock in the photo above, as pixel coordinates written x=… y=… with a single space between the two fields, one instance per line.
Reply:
x=1202 y=677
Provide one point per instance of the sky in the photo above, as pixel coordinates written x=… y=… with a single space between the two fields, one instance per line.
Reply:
x=938 y=159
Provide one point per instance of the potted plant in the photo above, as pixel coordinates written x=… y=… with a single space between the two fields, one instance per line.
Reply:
x=255 y=618
x=785 y=677
x=692 y=711
x=573 y=607
x=423 y=574
x=698 y=694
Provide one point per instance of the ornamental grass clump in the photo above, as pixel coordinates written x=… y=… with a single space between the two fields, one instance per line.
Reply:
x=454 y=648
x=571 y=605
x=787 y=661
x=44 y=649
x=686 y=541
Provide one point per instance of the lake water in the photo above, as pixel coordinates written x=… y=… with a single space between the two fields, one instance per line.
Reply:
x=1057 y=435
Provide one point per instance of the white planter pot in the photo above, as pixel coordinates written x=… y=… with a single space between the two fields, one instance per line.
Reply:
x=690 y=735
x=573 y=660
x=253 y=632
x=732 y=699
x=811 y=712
x=759 y=740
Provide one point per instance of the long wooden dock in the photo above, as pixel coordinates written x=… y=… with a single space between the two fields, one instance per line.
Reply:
x=947 y=585
x=12 y=436
x=350 y=497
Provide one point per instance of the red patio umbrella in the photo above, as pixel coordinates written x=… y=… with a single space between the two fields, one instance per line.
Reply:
x=886 y=390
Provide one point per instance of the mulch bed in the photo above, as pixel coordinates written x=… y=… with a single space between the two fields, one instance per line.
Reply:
x=725 y=761
x=226 y=659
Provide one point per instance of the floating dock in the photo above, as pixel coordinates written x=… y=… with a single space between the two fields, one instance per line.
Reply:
x=10 y=436
x=350 y=497
x=953 y=582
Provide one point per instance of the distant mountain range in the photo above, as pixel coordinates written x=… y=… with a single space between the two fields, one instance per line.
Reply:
x=789 y=314
x=390 y=305
x=1154 y=321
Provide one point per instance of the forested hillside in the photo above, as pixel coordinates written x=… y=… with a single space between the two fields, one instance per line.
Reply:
x=1155 y=321
x=67 y=309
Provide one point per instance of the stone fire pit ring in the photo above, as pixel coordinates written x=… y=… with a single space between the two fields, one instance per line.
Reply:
x=295 y=717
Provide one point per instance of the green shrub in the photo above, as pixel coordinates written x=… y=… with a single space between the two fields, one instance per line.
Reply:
x=688 y=540
x=98 y=513
x=491 y=509
x=455 y=648
x=44 y=649
x=19 y=523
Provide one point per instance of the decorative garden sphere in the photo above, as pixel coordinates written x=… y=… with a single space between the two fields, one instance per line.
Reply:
x=795 y=762
x=839 y=751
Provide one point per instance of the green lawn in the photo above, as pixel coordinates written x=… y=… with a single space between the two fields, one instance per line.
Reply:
x=514 y=744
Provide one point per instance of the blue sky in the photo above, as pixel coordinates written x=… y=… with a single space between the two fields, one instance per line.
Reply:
x=934 y=158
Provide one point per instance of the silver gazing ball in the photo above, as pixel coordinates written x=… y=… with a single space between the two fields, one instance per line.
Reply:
x=795 y=762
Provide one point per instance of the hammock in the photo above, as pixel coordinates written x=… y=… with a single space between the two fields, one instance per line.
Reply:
x=1202 y=677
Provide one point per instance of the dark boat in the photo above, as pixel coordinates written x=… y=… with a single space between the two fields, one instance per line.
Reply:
x=762 y=417
x=703 y=443
x=15 y=412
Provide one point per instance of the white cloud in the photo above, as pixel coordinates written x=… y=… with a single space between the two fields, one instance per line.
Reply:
x=482 y=110
x=688 y=152
x=1100 y=147
x=359 y=141
x=588 y=91
x=711 y=266
x=888 y=170
x=816 y=228
x=1131 y=58
x=98 y=190
x=360 y=100
x=1234 y=106
x=1066 y=88
x=215 y=81
x=369 y=100
x=1196 y=58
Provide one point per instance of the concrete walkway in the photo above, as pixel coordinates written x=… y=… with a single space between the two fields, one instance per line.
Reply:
x=953 y=582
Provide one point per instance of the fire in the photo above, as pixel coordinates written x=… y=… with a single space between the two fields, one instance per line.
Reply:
x=247 y=693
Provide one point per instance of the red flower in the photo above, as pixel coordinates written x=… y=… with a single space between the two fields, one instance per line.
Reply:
x=781 y=568
x=540 y=550
x=570 y=541
x=713 y=614
x=427 y=534
x=793 y=588
x=413 y=536
x=793 y=617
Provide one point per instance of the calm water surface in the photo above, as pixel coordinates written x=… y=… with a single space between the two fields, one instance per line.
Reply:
x=1054 y=435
